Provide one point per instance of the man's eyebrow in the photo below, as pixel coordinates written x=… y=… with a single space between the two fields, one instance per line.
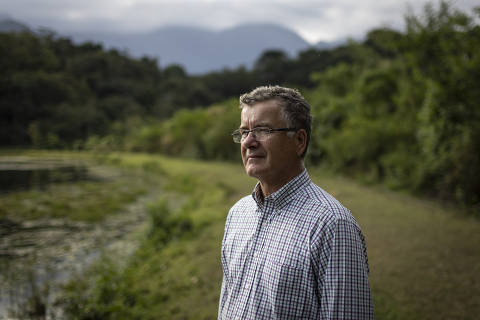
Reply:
x=258 y=125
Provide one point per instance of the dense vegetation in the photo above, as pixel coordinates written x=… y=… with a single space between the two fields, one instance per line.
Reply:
x=57 y=94
x=399 y=107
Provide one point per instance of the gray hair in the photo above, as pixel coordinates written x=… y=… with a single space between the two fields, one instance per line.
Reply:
x=295 y=108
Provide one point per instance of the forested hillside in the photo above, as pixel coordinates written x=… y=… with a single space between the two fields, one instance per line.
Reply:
x=399 y=107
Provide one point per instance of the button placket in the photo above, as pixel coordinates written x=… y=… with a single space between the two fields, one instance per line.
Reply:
x=251 y=263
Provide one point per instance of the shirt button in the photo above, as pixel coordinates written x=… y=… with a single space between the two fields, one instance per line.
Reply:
x=255 y=254
x=247 y=286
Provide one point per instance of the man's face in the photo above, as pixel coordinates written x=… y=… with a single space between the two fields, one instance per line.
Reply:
x=274 y=159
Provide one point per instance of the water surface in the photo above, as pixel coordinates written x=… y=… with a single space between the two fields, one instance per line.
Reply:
x=21 y=173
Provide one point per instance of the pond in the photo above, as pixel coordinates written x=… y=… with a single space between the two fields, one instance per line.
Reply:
x=22 y=173
x=42 y=253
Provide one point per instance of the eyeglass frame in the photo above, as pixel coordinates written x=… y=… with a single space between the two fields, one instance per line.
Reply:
x=241 y=132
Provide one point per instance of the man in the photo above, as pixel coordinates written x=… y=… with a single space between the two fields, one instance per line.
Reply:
x=290 y=250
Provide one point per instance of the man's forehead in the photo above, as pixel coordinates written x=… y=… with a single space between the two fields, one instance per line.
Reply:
x=261 y=116
x=267 y=108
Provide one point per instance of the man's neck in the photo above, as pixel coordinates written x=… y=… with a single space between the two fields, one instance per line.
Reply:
x=270 y=186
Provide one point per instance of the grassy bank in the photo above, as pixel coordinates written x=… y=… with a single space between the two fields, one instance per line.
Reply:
x=86 y=201
x=423 y=256
x=107 y=191
x=175 y=274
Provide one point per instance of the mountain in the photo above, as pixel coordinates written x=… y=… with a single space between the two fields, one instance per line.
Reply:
x=201 y=50
x=197 y=50
x=327 y=45
x=10 y=25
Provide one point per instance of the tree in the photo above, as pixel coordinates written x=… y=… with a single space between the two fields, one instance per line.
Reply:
x=272 y=67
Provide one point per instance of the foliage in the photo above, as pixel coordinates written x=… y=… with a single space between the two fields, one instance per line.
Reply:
x=445 y=46
x=166 y=226
x=411 y=118
x=146 y=286
x=198 y=133
x=399 y=107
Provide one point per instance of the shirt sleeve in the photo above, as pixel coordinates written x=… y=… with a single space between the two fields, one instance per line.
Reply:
x=341 y=264
x=224 y=290
x=223 y=296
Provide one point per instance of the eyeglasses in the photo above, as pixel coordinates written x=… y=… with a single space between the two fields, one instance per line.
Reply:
x=260 y=133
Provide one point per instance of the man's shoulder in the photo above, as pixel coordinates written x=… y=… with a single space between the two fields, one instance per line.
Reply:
x=244 y=204
x=245 y=201
x=243 y=211
x=328 y=212
x=322 y=201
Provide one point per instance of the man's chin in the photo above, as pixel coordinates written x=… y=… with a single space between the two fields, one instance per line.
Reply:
x=253 y=171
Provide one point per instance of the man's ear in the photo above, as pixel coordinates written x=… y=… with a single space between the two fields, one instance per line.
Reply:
x=301 y=141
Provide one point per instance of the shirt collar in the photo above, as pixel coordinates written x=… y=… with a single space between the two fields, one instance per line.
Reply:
x=285 y=194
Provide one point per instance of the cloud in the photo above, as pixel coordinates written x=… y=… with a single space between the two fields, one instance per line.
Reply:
x=313 y=19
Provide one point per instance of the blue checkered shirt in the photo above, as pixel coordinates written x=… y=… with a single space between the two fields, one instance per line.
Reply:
x=297 y=254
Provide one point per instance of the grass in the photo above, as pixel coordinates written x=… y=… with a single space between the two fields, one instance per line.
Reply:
x=85 y=201
x=89 y=201
x=178 y=278
x=423 y=256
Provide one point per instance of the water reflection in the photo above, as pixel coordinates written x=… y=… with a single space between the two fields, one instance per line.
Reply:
x=23 y=174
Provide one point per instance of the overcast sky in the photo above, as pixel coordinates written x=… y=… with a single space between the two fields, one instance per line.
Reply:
x=314 y=20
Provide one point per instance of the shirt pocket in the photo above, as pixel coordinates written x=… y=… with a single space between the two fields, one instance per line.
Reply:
x=284 y=285
x=234 y=257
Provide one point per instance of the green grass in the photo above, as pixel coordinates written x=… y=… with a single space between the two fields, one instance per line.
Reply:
x=89 y=201
x=85 y=201
x=424 y=257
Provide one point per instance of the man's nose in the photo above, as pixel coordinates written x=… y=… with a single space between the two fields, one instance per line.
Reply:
x=250 y=140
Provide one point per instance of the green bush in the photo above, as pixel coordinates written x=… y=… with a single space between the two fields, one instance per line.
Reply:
x=165 y=225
